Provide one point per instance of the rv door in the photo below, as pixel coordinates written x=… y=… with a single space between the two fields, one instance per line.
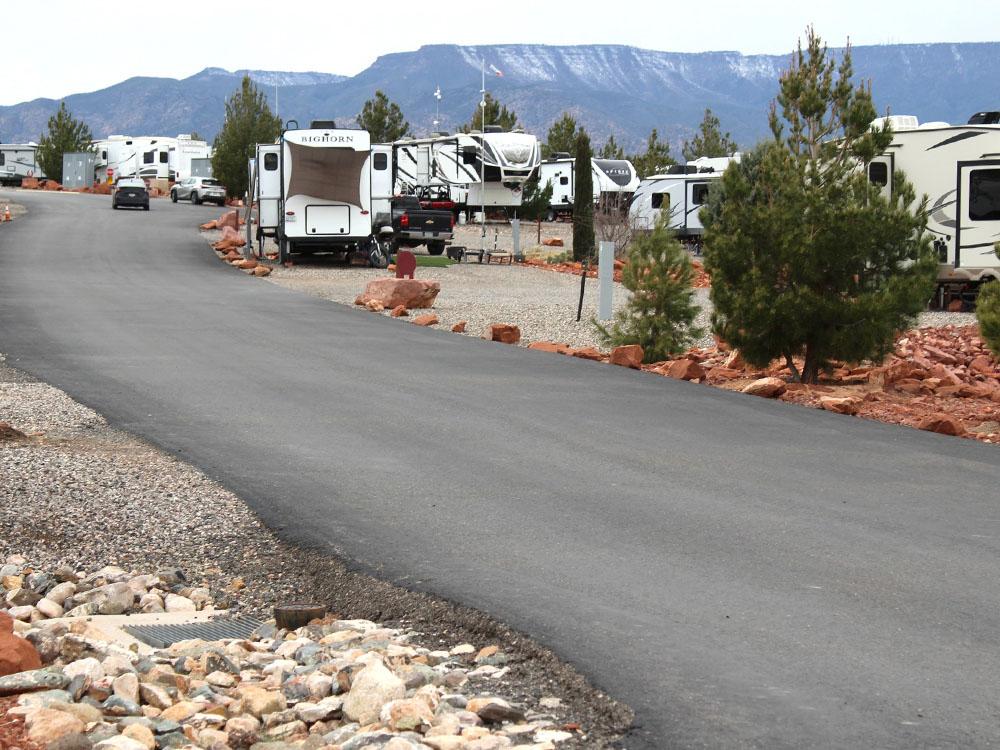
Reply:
x=423 y=165
x=381 y=182
x=977 y=227
x=880 y=173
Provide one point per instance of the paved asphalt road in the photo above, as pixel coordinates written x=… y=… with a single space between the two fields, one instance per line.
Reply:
x=742 y=572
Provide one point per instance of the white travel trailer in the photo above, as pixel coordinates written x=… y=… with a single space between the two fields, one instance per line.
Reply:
x=615 y=180
x=958 y=168
x=149 y=157
x=17 y=161
x=456 y=165
x=265 y=188
x=681 y=192
x=333 y=184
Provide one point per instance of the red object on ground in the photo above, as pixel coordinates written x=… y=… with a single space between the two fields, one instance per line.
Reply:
x=406 y=264
x=16 y=654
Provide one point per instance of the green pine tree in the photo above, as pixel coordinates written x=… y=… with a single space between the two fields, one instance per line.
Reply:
x=611 y=149
x=66 y=135
x=655 y=159
x=249 y=121
x=661 y=312
x=710 y=140
x=535 y=199
x=988 y=312
x=807 y=259
x=496 y=114
x=383 y=119
x=583 y=200
x=562 y=136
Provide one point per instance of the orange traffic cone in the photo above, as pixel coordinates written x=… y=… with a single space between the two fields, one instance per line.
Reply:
x=6 y=213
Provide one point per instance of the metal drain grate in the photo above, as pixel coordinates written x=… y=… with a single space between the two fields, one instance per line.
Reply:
x=216 y=629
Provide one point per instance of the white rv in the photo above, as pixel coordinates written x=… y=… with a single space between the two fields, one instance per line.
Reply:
x=333 y=185
x=958 y=168
x=149 y=157
x=681 y=192
x=471 y=169
x=615 y=180
x=265 y=187
x=17 y=161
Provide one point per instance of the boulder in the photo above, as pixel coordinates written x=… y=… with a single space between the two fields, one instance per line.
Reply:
x=140 y=734
x=373 y=687
x=408 y=715
x=766 y=387
x=46 y=725
x=845 y=405
x=399 y=311
x=459 y=327
x=229 y=219
x=429 y=319
x=982 y=364
x=587 y=352
x=259 y=702
x=943 y=424
x=627 y=356
x=413 y=294
x=260 y=271
x=503 y=332
x=246 y=264
x=16 y=654
x=494 y=710
x=685 y=369
x=374 y=305
x=735 y=361
x=209 y=225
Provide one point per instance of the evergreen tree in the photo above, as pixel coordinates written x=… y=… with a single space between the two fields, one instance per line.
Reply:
x=583 y=200
x=807 y=258
x=383 y=119
x=611 y=149
x=655 y=159
x=249 y=121
x=66 y=135
x=660 y=315
x=535 y=199
x=496 y=114
x=988 y=312
x=561 y=136
x=710 y=140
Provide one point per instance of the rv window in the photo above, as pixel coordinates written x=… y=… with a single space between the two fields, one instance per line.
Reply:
x=699 y=193
x=878 y=173
x=3 y=158
x=381 y=161
x=164 y=157
x=270 y=162
x=564 y=180
x=657 y=200
x=984 y=195
x=469 y=155
x=104 y=156
x=147 y=158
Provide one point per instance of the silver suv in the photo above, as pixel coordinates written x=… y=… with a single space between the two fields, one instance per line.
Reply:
x=199 y=190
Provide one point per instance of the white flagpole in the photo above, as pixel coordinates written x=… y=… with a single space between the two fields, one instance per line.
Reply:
x=482 y=160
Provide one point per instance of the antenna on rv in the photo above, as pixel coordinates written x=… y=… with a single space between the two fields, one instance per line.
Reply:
x=482 y=160
x=276 y=111
x=437 y=107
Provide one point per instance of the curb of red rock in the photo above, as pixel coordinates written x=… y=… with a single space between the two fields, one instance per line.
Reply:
x=701 y=278
x=335 y=683
x=228 y=246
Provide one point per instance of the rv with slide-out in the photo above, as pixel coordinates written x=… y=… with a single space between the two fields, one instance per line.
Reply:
x=958 y=168
x=333 y=195
x=614 y=180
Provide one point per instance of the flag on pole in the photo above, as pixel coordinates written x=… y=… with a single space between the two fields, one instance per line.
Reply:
x=496 y=71
x=437 y=93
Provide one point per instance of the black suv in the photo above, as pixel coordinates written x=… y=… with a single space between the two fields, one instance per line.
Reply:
x=130 y=191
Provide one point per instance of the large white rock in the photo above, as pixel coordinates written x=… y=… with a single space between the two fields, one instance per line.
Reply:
x=373 y=687
x=176 y=603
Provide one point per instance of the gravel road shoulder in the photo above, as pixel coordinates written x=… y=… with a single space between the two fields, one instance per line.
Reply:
x=80 y=492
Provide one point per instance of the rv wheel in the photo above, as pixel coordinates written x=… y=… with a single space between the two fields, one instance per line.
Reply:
x=282 y=250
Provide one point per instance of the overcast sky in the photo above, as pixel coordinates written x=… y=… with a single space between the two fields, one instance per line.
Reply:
x=73 y=48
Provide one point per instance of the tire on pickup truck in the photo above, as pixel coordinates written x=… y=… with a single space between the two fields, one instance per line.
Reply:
x=435 y=248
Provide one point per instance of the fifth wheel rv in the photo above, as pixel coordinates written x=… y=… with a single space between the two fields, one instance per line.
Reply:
x=454 y=167
x=958 y=168
x=334 y=185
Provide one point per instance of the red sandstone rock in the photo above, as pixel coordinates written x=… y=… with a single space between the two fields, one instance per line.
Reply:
x=229 y=219
x=685 y=369
x=503 y=332
x=587 y=352
x=550 y=346
x=459 y=327
x=16 y=654
x=627 y=356
x=399 y=311
x=845 y=405
x=765 y=387
x=943 y=424
x=413 y=294
x=430 y=319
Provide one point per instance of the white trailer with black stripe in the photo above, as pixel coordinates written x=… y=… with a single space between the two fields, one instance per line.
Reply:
x=681 y=193
x=958 y=168
x=614 y=180
x=17 y=161
x=335 y=187
x=472 y=169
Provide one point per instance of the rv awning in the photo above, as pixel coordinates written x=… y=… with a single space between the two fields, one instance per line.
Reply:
x=331 y=174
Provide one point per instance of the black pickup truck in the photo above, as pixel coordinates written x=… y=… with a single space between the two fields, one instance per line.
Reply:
x=413 y=225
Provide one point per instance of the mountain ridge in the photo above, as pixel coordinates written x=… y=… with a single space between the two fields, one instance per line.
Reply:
x=611 y=89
